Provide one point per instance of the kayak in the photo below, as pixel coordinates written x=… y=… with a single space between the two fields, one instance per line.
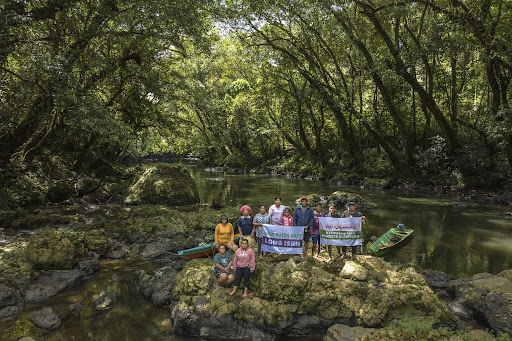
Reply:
x=390 y=240
x=202 y=250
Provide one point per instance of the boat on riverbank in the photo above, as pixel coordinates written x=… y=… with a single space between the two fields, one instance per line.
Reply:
x=202 y=250
x=390 y=240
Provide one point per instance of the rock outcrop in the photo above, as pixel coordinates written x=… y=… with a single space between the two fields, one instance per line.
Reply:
x=300 y=297
x=486 y=298
x=163 y=184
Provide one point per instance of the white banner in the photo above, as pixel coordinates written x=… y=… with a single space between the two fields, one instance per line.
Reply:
x=282 y=239
x=340 y=231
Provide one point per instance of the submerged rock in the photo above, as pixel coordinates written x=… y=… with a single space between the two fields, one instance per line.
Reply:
x=299 y=297
x=158 y=286
x=163 y=184
x=45 y=319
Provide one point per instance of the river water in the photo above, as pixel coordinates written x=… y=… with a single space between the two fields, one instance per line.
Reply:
x=451 y=235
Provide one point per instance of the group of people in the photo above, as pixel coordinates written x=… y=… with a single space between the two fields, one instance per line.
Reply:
x=229 y=270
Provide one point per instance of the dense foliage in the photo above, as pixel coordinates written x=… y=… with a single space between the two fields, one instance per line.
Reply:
x=417 y=89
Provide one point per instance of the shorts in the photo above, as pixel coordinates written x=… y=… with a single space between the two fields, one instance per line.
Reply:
x=316 y=239
x=307 y=236
x=218 y=273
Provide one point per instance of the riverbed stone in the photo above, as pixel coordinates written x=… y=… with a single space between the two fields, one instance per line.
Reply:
x=354 y=270
x=51 y=250
x=341 y=332
x=11 y=301
x=158 y=285
x=489 y=297
x=45 y=319
x=299 y=297
x=437 y=279
x=163 y=184
x=50 y=283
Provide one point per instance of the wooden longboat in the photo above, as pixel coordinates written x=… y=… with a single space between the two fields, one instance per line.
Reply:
x=385 y=241
x=202 y=250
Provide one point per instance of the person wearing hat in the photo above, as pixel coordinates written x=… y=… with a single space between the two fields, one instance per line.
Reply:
x=225 y=234
x=303 y=216
x=351 y=212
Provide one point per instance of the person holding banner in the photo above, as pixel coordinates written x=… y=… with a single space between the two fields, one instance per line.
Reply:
x=352 y=212
x=303 y=216
x=276 y=211
x=245 y=226
x=315 y=231
x=332 y=214
x=259 y=219
x=243 y=264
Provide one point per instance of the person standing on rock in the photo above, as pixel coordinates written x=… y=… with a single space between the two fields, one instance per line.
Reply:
x=244 y=264
x=276 y=211
x=287 y=219
x=259 y=219
x=333 y=214
x=351 y=212
x=303 y=216
x=225 y=234
x=222 y=267
x=245 y=226
x=315 y=231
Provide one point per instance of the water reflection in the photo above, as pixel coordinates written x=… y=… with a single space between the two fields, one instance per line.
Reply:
x=451 y=235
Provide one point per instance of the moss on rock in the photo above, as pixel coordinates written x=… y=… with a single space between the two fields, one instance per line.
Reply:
x=163 y=184
x=296 y=287
x=51 y=250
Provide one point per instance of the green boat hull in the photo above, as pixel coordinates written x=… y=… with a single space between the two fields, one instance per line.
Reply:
x=386 y=238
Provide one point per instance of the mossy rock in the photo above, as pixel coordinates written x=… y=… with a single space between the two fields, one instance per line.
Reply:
x=341 y=199
x=194 y=279
x=59 y=192
x=163 y=184
x=51 y=250
x=97 y=241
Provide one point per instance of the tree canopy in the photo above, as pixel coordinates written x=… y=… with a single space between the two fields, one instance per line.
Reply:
x=332 y=87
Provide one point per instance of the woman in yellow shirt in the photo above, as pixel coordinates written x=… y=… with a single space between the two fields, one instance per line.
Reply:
x=225 y=234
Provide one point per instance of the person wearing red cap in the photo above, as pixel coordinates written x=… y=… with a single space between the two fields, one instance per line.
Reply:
x=303 y=216
x=245 y=225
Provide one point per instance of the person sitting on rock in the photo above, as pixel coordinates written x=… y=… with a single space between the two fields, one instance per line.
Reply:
x=245 y=226
x=352 y=212
x=222 y=267
x=225 y=234
x=243 y=265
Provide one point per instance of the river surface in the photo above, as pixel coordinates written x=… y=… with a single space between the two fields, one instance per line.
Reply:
x=451 y=234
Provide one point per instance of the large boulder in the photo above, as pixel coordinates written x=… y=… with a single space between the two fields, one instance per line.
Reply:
x=341 y=199
x=51 y=250
x=163 y=184
x=301 y=297
x=487 y=297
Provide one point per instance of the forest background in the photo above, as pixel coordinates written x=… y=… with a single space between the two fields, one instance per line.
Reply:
x=336 y=89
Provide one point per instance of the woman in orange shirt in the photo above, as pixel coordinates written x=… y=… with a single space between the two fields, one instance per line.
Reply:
x=225 y=234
